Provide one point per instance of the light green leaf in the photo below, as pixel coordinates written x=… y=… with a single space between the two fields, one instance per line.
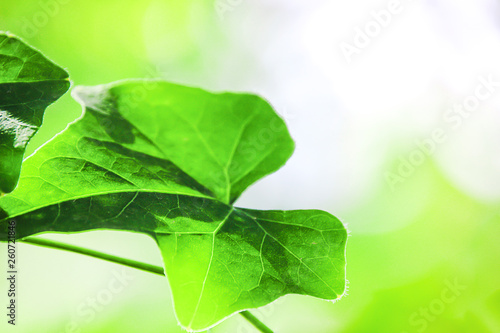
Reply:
x=28 y=84
x=135 y=161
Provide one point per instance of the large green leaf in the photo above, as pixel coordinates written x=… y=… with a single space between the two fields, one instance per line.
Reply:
x=137 y=160
x=28 y=84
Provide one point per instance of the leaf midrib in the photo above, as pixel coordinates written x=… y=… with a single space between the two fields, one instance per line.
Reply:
x=209 y=265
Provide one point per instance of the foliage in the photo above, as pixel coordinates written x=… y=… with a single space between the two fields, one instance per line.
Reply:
x=167 y=160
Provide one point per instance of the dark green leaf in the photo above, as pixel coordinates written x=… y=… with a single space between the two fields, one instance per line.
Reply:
x=28 y=84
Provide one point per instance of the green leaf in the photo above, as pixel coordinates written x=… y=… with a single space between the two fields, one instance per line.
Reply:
x=28 y=84
x=138 y=160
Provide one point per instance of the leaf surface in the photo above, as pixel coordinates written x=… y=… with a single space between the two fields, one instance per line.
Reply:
x=134 y=162
x=251 y=260
x=28 y=84
x=224 y=141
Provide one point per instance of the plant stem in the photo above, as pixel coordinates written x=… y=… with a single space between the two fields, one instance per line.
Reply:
x=96 y=254
x=126 y=262
x=255 y=322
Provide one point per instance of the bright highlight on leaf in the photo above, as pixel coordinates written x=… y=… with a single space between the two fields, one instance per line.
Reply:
x=168 y=161
x=28 y=84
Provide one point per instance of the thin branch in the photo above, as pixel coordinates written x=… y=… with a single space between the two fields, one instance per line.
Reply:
x=255 y=322
x=96 y=254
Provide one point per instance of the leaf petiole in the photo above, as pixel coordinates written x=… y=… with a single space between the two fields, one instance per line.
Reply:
x=92 y=253
x=255 y=322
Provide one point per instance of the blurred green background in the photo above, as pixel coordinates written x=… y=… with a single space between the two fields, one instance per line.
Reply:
x=423 y=214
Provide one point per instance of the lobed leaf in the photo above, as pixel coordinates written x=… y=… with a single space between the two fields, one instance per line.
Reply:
x=167 y=161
